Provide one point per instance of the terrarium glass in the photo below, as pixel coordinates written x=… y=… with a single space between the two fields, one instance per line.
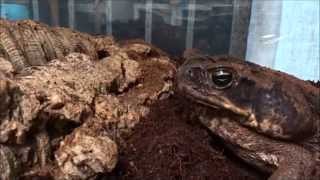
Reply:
x=281 y=34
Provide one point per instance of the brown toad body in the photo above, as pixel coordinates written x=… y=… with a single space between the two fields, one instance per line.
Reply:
x=268 y=118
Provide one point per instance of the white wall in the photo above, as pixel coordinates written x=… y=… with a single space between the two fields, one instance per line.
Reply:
x=284 y=35
x=298 y=51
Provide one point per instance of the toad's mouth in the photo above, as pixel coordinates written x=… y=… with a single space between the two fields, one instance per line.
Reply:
x=213 y=101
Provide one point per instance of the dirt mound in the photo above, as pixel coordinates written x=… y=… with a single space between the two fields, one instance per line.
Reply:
x=168 y=145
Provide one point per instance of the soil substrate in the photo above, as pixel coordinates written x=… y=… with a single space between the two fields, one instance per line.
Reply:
x=168 y=144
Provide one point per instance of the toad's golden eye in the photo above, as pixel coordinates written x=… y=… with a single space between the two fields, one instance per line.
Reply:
x=222 y=77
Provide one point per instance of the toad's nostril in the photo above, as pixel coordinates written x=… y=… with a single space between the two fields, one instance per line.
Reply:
x=195 y=74
x=190 y=73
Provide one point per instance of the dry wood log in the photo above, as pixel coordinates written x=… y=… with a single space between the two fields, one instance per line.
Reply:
x=65 y=97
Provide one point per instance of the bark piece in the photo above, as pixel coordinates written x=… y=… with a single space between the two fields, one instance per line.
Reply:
x=73 y=89
x=62 y=90
x=9 y=164
x=86 y=153
x=28 y=43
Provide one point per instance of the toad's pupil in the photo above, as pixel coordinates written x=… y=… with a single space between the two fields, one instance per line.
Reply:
x=222 y=78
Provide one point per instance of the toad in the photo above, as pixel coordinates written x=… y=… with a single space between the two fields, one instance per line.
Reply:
x=267 y=118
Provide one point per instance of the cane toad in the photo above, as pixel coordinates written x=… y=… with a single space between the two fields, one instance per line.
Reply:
x=267 y=118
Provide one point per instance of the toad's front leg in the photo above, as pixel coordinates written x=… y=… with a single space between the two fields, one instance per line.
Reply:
x=296 y=163
x=283 y=160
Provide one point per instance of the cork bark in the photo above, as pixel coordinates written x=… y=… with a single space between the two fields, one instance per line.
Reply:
x=67 y=98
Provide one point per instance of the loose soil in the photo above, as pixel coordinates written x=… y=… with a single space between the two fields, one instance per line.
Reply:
x=168 y=144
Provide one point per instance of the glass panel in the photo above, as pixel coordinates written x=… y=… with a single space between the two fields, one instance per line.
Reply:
x=128 y=19
x=212 y=26
x=169 y=23
x=14 y=10
x=266 y=32
x=184 y=23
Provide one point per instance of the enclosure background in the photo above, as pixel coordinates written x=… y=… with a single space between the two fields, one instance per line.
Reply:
x=281 y=34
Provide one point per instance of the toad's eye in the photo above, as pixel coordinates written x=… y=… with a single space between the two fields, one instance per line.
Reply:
x=222 y=78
